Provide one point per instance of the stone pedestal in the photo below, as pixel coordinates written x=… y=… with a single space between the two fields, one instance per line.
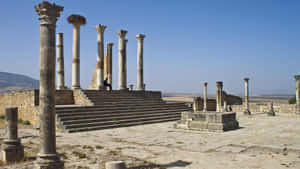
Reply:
x=77 y=21
x=208 y=121
x=247 y=111
x=11 y=149
x=47 y=157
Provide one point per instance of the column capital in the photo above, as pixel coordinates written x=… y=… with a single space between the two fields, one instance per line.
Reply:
x=126 y=40
x=297 y=77
x=140 y=36
x=219 y=84
x=205 y=83
x=100 y=28
x=122 y=33
x=76 y=20
x=246 y=79
x=48 y=12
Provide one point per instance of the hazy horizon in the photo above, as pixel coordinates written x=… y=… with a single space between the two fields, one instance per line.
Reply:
x=186 y=44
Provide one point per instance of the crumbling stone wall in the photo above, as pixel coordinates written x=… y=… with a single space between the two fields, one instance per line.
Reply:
x=260 y=107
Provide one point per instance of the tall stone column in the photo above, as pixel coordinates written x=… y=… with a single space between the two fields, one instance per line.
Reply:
x=247 y=111
x=205 y=96
x=77 y=21
x=122 y=60
x=297 y=78
x=196 y=104
x=100 y=58
x=47 y=157
x=140 y=67
x=12 y=150
x=109 y=62
x=60 y=62
x=219 y=96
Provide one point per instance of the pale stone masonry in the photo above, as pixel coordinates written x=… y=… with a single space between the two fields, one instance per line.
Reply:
x=271 y=109
x=297 y=78
x=12 y=149
x=122 y=60
x=196 y=104
x=205 y=96
x=77 y=21
x=47 y=157
x=219 y=96
x=100 y=56
x=60 y=62
x=247 y=111
x=140 y=67
x=109 y=65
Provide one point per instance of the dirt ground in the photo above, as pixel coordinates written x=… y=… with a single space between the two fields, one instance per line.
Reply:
x=262 y=142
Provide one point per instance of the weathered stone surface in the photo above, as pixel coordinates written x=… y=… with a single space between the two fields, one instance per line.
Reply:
x=196 y=103
x=100 y=57
x=205 y=96
x=208 y=121
x=297 y=78
x=12 y=150
x=247 y=111
x=271 y=111
x=140 y=66
x=47 y=157
x=77 y=21
x=219 y=96
x=60 y=62
x=122 y=60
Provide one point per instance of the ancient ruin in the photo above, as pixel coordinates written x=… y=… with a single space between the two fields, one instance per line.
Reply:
x=47 y=157
x=216 y=121
x=247 y=111
x=60 y=62
x=12 y=149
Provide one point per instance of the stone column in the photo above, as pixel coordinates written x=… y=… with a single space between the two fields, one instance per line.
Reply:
x=47 y=157
x=196 y=104
x=219 y=96
x=225 y=106
x=205 y=96
x=122 y=60
x=109 y=62
x=12 y=150
x=271 y=109
x=77 y=21
x=60 y=62
x=247 y=111
x=297 y=78
x=140 y=67
x=100 y=58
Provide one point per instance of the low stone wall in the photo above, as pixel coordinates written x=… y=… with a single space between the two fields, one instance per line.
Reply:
x=26 y=101
x=259 y=107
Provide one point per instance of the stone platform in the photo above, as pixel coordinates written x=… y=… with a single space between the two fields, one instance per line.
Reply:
x=208 y=121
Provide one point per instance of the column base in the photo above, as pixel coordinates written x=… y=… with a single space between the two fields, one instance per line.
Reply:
x=48 y=161
x=12 y=151
x=247 y=112
x=271 y=113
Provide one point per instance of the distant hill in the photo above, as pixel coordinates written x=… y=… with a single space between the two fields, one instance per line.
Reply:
x=14 y=82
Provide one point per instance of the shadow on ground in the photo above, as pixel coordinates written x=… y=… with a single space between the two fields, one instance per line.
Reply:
x=178 y=163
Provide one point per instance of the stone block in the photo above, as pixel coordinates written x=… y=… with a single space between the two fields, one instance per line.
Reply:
x=12 y=151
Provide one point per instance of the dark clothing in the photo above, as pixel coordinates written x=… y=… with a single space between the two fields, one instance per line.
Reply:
x=107 y=85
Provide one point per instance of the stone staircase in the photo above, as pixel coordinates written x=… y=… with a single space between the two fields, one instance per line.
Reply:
x=117 y=109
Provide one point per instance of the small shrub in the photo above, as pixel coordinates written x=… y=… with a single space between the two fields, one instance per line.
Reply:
x=20 y=121
x=292 y=100
x=2 y=116
x=79 y=154
x=26 y=122
x=99 y=147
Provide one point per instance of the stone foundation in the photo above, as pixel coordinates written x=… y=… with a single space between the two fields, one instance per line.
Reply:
x=208 y=121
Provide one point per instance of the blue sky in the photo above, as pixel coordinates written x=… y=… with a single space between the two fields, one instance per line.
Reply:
x=187 y=41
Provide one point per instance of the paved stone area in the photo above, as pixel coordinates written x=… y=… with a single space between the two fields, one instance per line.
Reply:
x=262 y=142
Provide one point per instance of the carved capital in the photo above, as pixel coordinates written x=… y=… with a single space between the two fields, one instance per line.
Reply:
x=122 y=33
x=48 y=12
x=140 y=36
x=100 y=28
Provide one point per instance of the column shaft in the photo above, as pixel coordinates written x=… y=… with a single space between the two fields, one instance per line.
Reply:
x=76 y=58
x=100 y=56
x=60 y=62
x=109 y=62
x=205 y=97
x=11 y=117
x=297 y=77
x=140 y=67
x=219 y=97
x=122 y=60
x=247 y=111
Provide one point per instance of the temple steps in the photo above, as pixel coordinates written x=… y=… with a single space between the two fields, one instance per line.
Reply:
x=116 y=109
